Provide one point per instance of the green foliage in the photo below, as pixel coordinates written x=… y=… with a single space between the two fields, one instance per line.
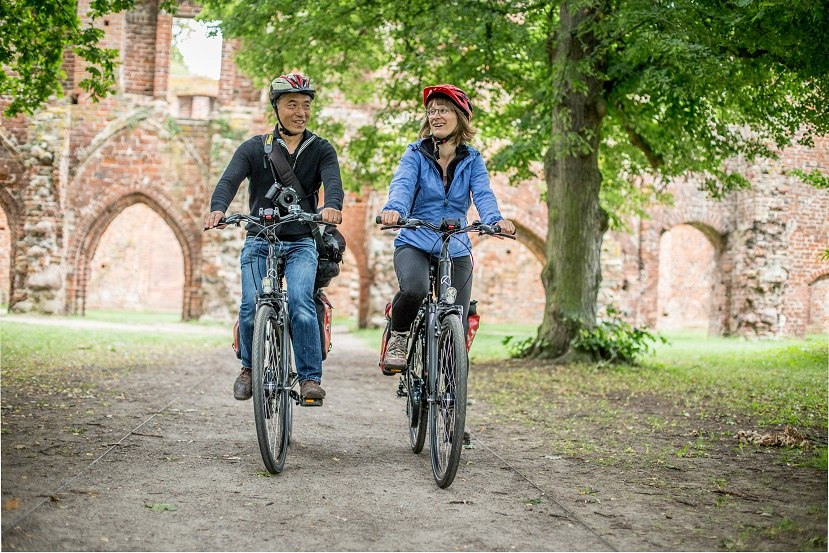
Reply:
x=160 y=507
x=37 y=33
x=814 y=178
x=688 y=84
x=517 y=348
x=614 y=340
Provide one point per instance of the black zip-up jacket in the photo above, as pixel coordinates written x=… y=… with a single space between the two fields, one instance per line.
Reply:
x=314 y=163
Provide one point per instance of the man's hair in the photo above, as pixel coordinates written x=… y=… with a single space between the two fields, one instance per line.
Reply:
x=463 y=133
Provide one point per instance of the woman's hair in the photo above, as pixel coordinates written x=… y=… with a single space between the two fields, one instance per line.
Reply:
x=463 y=132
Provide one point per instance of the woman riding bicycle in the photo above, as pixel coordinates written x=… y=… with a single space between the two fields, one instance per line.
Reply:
x=439 y=177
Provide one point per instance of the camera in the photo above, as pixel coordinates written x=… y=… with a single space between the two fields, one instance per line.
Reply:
x=283 y=197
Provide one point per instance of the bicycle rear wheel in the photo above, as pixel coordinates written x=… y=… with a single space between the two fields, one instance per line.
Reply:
x=447 y=413
x=416 y=405
x=271 y=401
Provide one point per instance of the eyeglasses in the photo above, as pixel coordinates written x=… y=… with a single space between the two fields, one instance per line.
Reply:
x=442 y=111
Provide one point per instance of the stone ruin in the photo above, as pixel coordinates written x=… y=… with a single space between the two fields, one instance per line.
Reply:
x=746 y=266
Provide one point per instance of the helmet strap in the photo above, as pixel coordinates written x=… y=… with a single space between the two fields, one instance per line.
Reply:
x=437 y=142
x=280 y=127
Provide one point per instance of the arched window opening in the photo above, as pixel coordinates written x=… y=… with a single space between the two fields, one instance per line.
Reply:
x=818 y=322
x=507 y=282
x=138 y=265
x=195 y=67
x=688 y=276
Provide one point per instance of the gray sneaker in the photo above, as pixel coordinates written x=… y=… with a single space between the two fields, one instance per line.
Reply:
x=242 y=386
x=396 y=351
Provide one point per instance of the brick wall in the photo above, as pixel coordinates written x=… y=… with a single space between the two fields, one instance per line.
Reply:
x=746 y=266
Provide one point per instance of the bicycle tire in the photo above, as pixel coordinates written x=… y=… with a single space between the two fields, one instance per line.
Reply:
x=289 y=416
x=271 y=400
x=416 y=404
x=447 y=411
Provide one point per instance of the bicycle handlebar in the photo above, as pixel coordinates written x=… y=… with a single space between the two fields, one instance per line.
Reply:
x=236 y=218
x=475 y=226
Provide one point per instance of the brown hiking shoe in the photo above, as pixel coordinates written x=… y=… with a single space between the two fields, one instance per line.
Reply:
x=241 y=388
x=310 y=389
x=396 y=351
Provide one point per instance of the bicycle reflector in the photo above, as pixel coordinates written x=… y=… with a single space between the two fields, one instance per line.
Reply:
x=269 y=216
x=450 y=224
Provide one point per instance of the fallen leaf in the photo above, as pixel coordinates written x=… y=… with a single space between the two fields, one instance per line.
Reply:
x=11 y=504
x=160 y=507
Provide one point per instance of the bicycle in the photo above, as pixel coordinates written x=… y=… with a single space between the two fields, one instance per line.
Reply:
x=274 y=379
x=434 y=380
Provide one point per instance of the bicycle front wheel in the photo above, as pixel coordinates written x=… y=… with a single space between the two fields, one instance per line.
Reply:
x=271 y=400
x=447 y=411
x=416 y=409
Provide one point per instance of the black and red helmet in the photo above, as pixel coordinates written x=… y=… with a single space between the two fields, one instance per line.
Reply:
x=453 y=93
x=290 y=82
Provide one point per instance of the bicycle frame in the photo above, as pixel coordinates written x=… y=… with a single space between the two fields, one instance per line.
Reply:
x=273 y=293
x=435 y=310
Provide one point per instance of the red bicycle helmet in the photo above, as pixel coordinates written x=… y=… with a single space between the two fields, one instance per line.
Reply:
x=291 y=82
x=453 y=93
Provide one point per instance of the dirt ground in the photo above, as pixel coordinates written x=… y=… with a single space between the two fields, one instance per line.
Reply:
x=162 y=458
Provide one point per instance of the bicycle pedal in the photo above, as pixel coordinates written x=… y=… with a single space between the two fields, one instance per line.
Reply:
x=392 y=372
x=310 y=402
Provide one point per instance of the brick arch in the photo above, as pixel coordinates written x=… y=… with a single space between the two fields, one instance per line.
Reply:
x=710 y=222
x=12 y=210
x=92 y=227
x=128 y=123
x=532 y=241
x=817 y=275
x=713 y=227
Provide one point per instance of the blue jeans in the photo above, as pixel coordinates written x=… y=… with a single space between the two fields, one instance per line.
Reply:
x=300 y=271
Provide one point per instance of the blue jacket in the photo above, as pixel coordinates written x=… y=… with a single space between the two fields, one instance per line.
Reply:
x=416 y=191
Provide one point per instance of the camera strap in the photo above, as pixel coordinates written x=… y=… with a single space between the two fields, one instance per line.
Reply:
x=280 y=168
x=282 y=172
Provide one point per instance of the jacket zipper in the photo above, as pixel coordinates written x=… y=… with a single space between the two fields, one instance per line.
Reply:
x=301 y=148
x=440 y=176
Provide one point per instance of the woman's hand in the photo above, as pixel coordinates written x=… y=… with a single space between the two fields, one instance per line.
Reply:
x=389 y=217
x=506 y=226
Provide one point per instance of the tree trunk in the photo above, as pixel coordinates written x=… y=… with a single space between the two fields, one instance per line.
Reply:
x=577 y=222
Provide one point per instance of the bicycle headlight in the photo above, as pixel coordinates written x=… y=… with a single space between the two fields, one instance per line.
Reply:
x=451 y=294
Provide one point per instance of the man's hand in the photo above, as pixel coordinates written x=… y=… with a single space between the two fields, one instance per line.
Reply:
x=331 y=215
x=389 y=217
x=506 y=226
x=212 y=220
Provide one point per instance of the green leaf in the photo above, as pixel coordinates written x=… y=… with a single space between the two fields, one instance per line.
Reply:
x=160 y=507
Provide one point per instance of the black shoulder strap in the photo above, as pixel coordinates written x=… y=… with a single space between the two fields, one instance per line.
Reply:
x=289 y=178
x=283 y=168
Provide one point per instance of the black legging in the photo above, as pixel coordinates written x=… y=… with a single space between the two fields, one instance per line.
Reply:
x=412 y=268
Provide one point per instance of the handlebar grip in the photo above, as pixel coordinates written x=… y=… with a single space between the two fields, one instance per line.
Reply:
x=400 y=222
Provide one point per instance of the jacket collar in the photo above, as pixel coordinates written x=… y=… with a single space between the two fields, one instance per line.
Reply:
x=427 y=148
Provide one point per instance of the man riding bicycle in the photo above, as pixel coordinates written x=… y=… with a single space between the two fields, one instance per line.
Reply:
x=314 y=162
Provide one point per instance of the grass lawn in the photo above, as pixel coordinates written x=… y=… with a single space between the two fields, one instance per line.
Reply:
x=771 y=383
x=29 y=350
